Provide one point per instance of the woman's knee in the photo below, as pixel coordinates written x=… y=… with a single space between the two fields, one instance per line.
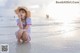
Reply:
x=25 y=33
x=25 y=36
x=20 y=32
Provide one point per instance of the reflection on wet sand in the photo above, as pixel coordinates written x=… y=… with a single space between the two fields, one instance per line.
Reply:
x=48 y=36
x=22 y=48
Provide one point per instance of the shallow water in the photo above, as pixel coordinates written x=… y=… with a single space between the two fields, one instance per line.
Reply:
x=48 y=36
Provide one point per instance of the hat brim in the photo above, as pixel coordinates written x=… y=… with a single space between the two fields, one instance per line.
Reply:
x=28 y=12
x=17 y=10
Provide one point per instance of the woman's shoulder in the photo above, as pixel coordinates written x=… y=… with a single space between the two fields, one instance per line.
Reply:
x=28 y=19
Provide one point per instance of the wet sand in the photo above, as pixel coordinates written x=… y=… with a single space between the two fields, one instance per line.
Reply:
x=48 y=36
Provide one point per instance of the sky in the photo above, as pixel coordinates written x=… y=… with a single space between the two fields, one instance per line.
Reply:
x=53 y=9
x=2 y=2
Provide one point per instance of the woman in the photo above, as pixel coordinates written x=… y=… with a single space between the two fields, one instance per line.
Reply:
x=24 y=23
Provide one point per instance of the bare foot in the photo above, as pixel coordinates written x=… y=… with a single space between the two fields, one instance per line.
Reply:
x=25 y=41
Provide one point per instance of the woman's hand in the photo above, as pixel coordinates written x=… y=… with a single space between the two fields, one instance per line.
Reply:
x=19 y=15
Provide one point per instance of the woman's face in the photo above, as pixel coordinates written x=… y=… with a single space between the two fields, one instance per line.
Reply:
x=22 y=14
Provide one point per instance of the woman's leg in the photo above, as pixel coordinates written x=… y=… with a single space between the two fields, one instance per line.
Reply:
x=19 y=35
x=25 y=36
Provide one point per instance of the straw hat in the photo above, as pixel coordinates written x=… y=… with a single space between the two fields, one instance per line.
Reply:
x=27 y=11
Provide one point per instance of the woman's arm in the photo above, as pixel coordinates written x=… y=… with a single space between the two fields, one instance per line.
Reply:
x=28 y=23
x=20 y=24
x=27 y=26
